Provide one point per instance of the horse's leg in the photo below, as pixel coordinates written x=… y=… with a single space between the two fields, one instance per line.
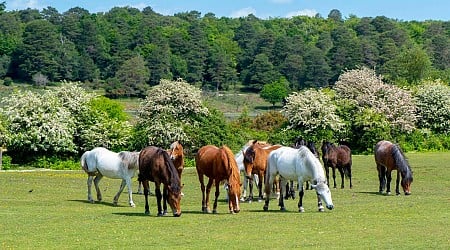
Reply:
x=130 y=192
x=349 y=171
x=244 y=190
x=283 y=183
x=116 y=197
x=158 y=198
x=260 y=196
x=267 y=188
x=319 y=204
x=388 y=181
x=327 y=171
x=250 y=185
x=96 y=182
x=216 y=194
x=206 y=208
x=341 y=171
x=89 y=184
x=381 y=177
x=145 y=186
x=165 y=194
x=300 y=200
x=397 y=191
x=334 y=176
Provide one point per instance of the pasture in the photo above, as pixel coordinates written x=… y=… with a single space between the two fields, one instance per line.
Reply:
x=49 y=210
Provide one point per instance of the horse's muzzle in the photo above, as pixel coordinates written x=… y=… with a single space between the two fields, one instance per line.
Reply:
x=176 y=214
x=407 y=193
x=330 y=207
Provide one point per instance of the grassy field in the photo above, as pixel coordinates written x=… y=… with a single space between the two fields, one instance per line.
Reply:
x=48 y=210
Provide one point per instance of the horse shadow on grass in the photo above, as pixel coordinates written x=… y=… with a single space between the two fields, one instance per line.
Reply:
x=370 y=193
x=104 y=203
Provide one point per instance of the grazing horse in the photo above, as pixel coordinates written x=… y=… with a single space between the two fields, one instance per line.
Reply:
x=255 y=162
x=101 y=162
x=301 y=165
x=339 y=157
x=388 y=157
x=218 y=164
x=156 y=166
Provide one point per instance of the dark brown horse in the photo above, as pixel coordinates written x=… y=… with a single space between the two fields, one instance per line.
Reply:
x=388 y=157
x=218 y=164
x=339 y=157
x=155 y=165
x=255 y=162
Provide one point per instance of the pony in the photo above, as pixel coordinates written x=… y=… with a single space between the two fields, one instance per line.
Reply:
x=239 y=157
x=290 y=192
x=176 y=154
x=100 y=162
x=339 y=157
x=388 y=157
x=218 y=164
x=156 y=166
x=255 y=162
x=301 y=165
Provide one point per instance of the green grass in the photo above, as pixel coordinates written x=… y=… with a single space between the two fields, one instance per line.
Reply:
x=48 y=210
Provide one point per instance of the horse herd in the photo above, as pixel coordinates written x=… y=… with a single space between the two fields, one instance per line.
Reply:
x=276 y=165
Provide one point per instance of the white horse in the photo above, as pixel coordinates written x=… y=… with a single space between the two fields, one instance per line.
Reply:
x=300 y=165
x=101 y=162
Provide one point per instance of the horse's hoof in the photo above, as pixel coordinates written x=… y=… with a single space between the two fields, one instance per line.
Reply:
x=165 y=212
x=260 y=200
x=321 y=209
x=242 y=198
x=388 y=193
x=91 y=201
x=214 y=211
x=160 y=214
x=147 y=212
x=132 y=205
x=301 y=209
x=397 y=194
x=266 y=208
x=283 y=209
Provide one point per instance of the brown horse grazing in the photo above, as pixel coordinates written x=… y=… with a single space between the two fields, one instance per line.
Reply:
x=255 y=162
x=339 y=157
x=155 y=165
x=388 y=157
x=218 y=164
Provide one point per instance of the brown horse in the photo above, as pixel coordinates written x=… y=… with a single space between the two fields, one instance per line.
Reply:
x=255 y=162
x=339 y=157
x=176 y=154
x=155 y=165
x=218 y=164
x=388 y=157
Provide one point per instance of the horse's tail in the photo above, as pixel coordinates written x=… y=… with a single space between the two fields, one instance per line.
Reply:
x=84 y=165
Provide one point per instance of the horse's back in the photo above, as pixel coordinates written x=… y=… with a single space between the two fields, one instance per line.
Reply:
x=383 y=155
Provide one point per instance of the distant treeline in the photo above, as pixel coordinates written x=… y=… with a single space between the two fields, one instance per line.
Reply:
x=126 y=50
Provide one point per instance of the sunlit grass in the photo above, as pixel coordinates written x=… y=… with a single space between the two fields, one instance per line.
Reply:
x=48 y=209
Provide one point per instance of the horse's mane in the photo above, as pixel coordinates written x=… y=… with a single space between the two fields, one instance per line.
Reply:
x=235 y=175
x=401 y=162
x=306 y=153
x=130 y=159
x=174 y=179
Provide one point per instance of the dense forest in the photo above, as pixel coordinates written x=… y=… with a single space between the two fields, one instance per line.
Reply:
x=126 y=50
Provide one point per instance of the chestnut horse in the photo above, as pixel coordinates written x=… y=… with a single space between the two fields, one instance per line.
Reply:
x=155 y=165
x=255 y=162
x=339 y=157
x=218 y=164
x=388 y=157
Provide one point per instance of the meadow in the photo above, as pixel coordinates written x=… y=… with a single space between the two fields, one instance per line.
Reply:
x=49 y=210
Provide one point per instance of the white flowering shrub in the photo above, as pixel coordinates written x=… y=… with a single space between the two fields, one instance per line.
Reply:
x=60 y=121
x=313 y=112
x=168 y=108
x=364 y=89
x=38 y=123
x=433 y=106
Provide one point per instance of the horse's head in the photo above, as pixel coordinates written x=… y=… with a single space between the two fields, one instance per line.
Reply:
x=175 y=151
x=174 y=200
x=249 y=158
x=406 y=183
x=234 y=195
x=324 y=192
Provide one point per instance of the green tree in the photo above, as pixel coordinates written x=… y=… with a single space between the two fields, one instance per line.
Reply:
x=133 y=76
x=275 y=91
